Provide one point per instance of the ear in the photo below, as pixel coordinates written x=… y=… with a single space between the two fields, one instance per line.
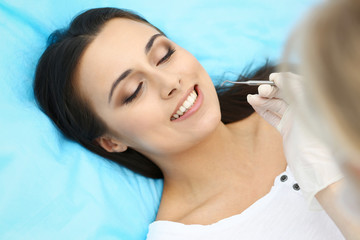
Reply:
x=110 y=144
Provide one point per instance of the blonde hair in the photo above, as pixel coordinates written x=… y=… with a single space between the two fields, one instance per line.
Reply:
x=327 y=46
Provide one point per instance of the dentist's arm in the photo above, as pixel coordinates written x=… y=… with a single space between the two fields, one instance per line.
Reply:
x=328 y=198
x=308 y=158
x=310 y=161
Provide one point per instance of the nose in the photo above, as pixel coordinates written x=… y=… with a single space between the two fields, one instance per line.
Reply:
x=171 y=89
x=168 y=84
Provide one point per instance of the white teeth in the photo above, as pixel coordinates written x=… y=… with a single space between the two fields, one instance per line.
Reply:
x=183 y=109
x=186 y=105
x=191 y=99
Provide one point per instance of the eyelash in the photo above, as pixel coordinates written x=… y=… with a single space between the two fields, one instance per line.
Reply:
x=162 y=60
x=167 y=56
x=133 y=96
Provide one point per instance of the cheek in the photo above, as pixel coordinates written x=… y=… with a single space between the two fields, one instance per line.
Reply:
x=138 y=122
x=187 y=64
x=143 y=128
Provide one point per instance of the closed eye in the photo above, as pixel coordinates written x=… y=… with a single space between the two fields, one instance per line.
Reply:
x=167 y=56
x=134 y=95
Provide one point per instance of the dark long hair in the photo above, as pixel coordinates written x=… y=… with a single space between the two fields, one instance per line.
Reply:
x=57 y=97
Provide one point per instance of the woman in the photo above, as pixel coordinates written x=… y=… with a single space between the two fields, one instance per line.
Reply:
x=117 y=85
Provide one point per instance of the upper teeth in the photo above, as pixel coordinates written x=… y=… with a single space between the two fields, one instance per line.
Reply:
x=187 y=104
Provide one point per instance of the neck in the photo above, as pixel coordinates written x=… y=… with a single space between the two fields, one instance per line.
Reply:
x=225 y=157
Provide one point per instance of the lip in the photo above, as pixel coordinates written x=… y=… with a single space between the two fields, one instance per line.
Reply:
x=183 y=99
x=194 y=107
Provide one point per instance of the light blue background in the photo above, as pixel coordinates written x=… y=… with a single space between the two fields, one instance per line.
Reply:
x=51 y=188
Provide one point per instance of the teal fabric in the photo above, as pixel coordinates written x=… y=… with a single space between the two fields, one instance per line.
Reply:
x=51 y=188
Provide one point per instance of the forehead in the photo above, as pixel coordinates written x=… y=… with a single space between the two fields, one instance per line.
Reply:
x=116 y=48
x=118 y=36
x=122 y=30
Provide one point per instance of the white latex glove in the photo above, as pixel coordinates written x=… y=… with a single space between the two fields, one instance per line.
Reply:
x=309 y=160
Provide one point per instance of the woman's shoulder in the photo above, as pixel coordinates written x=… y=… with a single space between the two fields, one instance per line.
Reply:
x=280 y=214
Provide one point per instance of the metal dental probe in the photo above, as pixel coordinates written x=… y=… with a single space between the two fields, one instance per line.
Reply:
x=250 y=82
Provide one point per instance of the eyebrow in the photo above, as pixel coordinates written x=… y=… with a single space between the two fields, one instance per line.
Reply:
x=127 y=72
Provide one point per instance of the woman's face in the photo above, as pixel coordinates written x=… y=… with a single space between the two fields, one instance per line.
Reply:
x=136 y=80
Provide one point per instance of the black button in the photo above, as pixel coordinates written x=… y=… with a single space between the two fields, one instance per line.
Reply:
x=296 y=187
x=283 y=178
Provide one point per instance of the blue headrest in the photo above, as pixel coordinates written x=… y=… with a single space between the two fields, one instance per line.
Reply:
x=52 y=188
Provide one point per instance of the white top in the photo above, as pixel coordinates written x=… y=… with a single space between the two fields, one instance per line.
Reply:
x=280 y=214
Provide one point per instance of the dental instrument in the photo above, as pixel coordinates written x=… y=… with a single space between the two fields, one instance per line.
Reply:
x=250 y=82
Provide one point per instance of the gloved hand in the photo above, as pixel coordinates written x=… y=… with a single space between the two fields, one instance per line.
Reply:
x=309 y=159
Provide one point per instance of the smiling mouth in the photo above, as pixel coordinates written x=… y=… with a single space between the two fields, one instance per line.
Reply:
x=186 y=105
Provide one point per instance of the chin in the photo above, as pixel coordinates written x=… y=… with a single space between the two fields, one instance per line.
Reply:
x=200 y=132
x=209 y=121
